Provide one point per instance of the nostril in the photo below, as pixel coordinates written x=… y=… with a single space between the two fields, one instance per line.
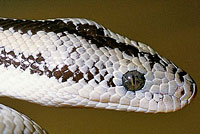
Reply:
x=182 y=92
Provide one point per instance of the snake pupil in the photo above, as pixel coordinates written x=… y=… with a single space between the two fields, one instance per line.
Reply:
x=133 y=80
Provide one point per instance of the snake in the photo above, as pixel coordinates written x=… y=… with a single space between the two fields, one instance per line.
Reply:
x=79 y=63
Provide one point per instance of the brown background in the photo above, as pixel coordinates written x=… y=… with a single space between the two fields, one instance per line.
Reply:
x=170 y=27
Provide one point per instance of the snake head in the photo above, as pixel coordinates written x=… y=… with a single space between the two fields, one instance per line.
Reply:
x=159 y=90
x=77 y=62
x=131 y=76
x=146 y=82
x=151 y=83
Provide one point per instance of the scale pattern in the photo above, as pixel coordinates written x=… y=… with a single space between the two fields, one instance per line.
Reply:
x=77 y=62
x=13 y=122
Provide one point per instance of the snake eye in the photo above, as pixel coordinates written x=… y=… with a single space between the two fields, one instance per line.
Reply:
x=133 y=80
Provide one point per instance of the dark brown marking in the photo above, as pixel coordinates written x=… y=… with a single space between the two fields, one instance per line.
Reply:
x=110 y=82
x=57 y=74
x=48 y=73
x=15 y=64
x=66 y=75
x=64 y=68
x=39 y=59
x=30 y=58
x=152 y=59
x=78 y=76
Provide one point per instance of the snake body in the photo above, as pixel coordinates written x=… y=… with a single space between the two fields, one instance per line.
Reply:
x=77 y=62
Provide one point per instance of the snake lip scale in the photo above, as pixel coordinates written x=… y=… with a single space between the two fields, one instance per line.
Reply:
x=78 y=62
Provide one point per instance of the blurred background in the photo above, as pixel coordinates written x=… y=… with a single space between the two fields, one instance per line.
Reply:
x=170 y=27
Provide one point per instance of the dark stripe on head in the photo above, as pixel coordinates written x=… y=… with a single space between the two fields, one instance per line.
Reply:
x=37 y=65
x=89 y=32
